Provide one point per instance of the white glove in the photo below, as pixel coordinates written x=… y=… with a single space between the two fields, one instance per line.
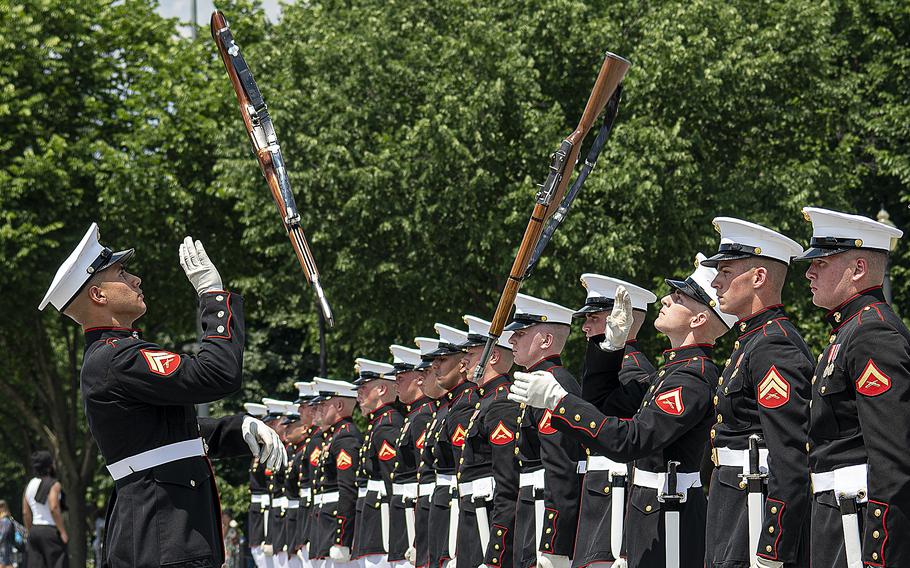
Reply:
x=451 y=563
x=619 y=324
x=199 y=269
x=545 y=560
x=765 y=563
x=264 y=443
x=620 y=563
x=539 y=389
x=268 y=550
x=340 y=553
x=411 y=555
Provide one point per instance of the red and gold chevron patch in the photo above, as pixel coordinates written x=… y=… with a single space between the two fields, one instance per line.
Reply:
x=459 y=435
x=421 y=441
x=671 y=402
x=162 y=363
x=501 y=435
x=314 y=456
x=872 y=381
x=386 y=451
x=544 y=427
x=773 y=390
x=343 y=461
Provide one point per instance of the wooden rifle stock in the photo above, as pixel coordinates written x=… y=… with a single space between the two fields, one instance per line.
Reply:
x=611 y=74
x=262 y=135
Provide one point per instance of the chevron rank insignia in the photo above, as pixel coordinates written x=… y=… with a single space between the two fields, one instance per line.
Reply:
x=314 y=456
x=671 y=402
x=162 y=363
x=501 y=435
x=773 y=390
x=421 y=441
x=343 y=461
x=386 y=452
x=872 y=381
x=458 y=436
x=544 y=426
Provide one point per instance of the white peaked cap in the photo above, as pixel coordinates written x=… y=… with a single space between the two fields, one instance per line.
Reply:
x=275 y=406
x=479 y=331
x=336 y=388
x=405 y=355
x=365 y=366
x=255 y=409
x=450 y=335
x=602 y=292
x=739 y=239
x=426 y=345
x=305 y=389
x=698 y=286
x=291 y=409
x=530 y=311
x=89 y=257
x=833 y=232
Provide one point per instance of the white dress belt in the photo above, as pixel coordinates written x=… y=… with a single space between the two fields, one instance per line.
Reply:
x=740 y=458
x=293 y=504
x=445 y=480
x=156 y=457
x=406 y=490
x=377 y=486
x=426 y=489
x=658 y=481
x=479 y=488
x=306 y=492
x=325 y=498
x=849 y=481
x=533 y=479
x=262 y=499
x=603 y=463
x=362 y=492
x=280 y=502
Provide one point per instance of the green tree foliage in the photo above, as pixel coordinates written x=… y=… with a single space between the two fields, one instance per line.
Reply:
x=415 y=133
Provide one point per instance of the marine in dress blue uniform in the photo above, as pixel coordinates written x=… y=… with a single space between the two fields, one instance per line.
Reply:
x=859 y=429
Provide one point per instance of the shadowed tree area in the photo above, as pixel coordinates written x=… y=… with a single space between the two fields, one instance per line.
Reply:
x=415 y=133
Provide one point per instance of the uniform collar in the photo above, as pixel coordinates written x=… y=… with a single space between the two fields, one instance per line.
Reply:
x=490 y=387
x=94 y=334
x=686 y=352
x=854 y=305
x=458 y=390
x=759 y=319
x=342 y=422
x=632 y=346
x=546 y=363
x=418 y=404
x=382 y=411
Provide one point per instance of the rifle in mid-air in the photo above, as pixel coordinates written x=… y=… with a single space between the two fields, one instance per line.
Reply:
x=553 y=202
x=258 y=123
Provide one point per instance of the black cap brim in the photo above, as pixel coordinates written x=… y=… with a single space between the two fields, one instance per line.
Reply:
x=818 y=252
x=714 y=260
x=442 y=352
x=685 y=288
x=520 y=324
x=123 y=257
x=591 y=309
x=290 y=420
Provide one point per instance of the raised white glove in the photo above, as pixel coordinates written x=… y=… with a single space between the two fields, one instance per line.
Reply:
x=264 y=443
x=765 y=563
x=619 y=324
x=199 y=269
x=340 y=553
x=539 y=389
x=411 y=555
x=620 y=563
x=268 y=550
x=545 y=560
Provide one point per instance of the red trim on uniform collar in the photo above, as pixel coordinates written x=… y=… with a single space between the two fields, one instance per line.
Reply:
x=542 y=360
x=379 y=412
x=112 y=328
x=688 y=346
x=632 y=342
x=830 y=312
x=759 y=312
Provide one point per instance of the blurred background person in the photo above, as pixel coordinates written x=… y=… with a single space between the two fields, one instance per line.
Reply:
x=42 y=511
x=7 y=536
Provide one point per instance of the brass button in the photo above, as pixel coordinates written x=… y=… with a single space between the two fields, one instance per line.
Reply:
x=516 y=451
x=593 y=425
x=549 y=530
x=716 y=399
x=562 y=410
x=720 y=418
x=495 y=561
x=771 y=530
x=823 y=389
x=877 y=512
x=807 y=446
x=876 y=534
x=496 y=546
x=648 y=508
x=736 y=345
x=192 y=483
x=672 y=355
x=713 y=433
x=773 y=510
x=340 y=521
x=875 y=556
x=547 y=545
x=742 y=484
x=607 y=489
x=577 y=417
x=768 y=548
x=550 y=516
x=742 y=326
x=517 y=435
x=499 y=532
x=720 y=381
x=832 y=338
x=726 y=390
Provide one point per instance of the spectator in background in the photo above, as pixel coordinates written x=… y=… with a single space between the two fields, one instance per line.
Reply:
x=42 y=510
x=7 y=536
x=231 y=539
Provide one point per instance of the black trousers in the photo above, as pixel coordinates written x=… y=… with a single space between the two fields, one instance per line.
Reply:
x=46 y=548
